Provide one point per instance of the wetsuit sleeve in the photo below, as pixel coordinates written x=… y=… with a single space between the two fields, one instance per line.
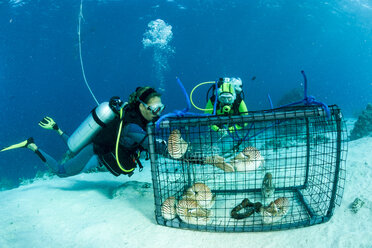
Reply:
x=133 y=135
x=243 y=110
x=209 y=110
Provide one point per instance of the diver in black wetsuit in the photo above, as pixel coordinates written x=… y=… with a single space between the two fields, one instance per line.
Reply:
x=118 y=156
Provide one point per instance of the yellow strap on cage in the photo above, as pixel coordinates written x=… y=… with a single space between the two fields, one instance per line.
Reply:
x=117 y=145
x=210 y=82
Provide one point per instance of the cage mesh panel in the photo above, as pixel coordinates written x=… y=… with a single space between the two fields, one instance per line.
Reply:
x=304 y=152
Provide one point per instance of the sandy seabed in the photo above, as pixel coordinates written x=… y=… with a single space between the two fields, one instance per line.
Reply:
x=99 y=210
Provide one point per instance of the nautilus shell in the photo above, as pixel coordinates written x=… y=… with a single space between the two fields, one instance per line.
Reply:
x=177 y=147
x=168 y=208
x=275 y=211
x=268 y=187
x=202 y=194
x=249 y=159
x=190 y=212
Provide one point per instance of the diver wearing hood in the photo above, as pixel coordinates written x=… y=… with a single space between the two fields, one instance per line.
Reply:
x=229 y=100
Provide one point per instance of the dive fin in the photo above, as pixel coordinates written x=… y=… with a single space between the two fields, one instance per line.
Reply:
x=22 y=144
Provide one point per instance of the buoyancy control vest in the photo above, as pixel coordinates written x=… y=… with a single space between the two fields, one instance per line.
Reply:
x=105 y=143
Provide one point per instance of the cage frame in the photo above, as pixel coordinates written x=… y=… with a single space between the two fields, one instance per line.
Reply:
x=285 y=113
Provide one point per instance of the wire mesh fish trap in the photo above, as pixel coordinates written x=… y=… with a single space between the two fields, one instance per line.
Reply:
x=279 y=169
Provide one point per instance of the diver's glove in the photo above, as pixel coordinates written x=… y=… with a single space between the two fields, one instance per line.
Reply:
x=219 y=162
x=49 y=123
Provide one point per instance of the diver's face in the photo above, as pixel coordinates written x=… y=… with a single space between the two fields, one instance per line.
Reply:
x=152 y=109
x=226 y=99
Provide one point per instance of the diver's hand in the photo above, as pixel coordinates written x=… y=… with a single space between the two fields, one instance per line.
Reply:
x=219 y=162
x=48 y=123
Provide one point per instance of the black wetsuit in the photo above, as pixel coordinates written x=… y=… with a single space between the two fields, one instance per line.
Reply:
x=133 y=139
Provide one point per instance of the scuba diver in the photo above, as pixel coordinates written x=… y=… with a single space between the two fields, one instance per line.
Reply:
x=113 y=135
x=229 y=101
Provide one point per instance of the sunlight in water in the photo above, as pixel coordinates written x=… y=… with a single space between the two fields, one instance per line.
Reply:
x=16 y=3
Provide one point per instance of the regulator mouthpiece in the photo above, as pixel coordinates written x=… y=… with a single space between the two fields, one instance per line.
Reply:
x=226 y=108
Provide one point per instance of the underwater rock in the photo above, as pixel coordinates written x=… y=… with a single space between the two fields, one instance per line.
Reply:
x=356 y=205
x=294 y=95
x=363 y=126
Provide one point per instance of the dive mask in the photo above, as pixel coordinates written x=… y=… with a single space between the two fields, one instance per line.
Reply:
x=226 y=98
x=155 y=109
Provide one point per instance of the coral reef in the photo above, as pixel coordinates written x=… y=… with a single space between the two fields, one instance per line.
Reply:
x=363 y=126
x=294 y=95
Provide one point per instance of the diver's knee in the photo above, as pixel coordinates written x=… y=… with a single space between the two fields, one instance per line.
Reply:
x=62 y=175
x=61 y=171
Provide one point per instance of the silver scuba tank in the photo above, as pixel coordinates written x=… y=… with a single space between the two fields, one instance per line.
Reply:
x=97 y=119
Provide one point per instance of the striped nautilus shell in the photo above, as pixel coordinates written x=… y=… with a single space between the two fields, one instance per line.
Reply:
x=190 y=212
x=249 y=159
x=268 y=187
x=168 y=208
x=275 y=211
x=177 y=147
x=202 y=194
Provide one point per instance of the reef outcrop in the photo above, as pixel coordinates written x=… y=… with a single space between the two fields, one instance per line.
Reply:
x=363 y=126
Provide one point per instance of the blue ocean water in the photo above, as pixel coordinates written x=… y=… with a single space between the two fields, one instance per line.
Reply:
x=269 y=41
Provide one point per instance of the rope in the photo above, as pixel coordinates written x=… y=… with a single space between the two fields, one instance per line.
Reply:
x=81 y=57
x=271 y=103
x=308 y=100
x=186 y=96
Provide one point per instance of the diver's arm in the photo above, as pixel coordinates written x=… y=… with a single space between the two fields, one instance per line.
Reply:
x=133 y=134
x=48 y=123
